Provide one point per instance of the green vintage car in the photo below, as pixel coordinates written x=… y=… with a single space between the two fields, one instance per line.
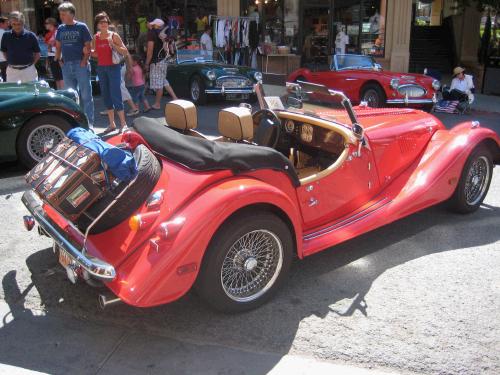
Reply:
x=33 y=117
x=197 y=75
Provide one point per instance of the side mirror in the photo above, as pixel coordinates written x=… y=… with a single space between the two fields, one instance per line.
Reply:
x=378 y=67
x=294 y=102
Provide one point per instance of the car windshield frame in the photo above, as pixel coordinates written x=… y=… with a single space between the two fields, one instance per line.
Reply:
x=185 y=56
x=336 y=58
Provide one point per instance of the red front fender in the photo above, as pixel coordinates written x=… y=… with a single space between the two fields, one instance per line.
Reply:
x=154 y=276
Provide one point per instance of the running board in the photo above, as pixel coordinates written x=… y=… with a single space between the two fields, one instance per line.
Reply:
x=335 y=231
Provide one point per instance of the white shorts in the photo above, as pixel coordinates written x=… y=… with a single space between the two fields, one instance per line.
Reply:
x=158 y=76
x=25 y=75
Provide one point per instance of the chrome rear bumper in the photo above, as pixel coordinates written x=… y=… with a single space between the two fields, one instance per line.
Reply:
x=96 y=268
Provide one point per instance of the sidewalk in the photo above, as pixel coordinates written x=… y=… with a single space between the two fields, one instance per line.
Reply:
x=33 y=342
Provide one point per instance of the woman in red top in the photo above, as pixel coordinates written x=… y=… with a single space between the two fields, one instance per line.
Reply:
x=50 y=41
x=108 y=72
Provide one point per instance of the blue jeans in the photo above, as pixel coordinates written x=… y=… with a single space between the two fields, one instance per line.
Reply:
x=109 y=81
x=137 y=93
x=78 y=78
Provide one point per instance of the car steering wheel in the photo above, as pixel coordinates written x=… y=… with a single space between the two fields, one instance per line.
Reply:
x=268 y=125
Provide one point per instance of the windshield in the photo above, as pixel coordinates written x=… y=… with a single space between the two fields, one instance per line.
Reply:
x=353 y=62
x=197 y=55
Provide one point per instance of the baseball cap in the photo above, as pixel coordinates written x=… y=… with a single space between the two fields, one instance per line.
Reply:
x=157 y=22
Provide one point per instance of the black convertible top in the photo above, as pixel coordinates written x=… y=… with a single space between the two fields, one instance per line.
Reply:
x=201 y=154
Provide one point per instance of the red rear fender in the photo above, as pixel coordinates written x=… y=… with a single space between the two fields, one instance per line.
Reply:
x=155 y=274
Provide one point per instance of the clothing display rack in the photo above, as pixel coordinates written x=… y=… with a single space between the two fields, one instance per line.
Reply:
x=237 y=38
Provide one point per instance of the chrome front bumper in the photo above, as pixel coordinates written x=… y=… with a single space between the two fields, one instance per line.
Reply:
x=95 y=267
x=223 y=91
x=407 y=101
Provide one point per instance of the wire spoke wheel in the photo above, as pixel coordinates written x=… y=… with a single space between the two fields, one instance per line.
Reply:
x=42 y=138
x=252 y=265
x=372 y=98
x=195 y=90
x=477 y=180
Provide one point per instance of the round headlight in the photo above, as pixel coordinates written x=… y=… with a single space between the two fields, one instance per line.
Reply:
x=394 y=83
x=211 y=75
x=257 y=76
x=436 y=85
x=75 y=95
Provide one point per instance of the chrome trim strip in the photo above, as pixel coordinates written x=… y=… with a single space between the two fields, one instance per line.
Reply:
x=410 y=101
x=350 y=220
x=97 y=268
x=229 y=91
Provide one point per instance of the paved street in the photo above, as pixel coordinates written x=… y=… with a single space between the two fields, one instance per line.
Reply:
x=419 y=296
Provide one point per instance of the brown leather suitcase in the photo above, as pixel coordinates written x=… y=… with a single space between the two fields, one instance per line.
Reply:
x=69 y=178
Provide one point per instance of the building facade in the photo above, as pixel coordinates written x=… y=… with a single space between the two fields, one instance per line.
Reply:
x=311 y=29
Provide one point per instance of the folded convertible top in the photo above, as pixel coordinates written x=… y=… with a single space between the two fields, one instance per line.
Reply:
x=201 y=154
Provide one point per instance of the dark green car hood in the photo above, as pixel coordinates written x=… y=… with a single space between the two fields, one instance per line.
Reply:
x=221 y=69
x=11 y=90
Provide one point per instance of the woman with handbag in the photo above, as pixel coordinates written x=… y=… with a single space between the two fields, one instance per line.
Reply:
x=109 y=49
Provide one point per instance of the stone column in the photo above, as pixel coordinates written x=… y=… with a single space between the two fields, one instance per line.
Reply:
x=400 y=16
x=228 y=8
x=85 y=13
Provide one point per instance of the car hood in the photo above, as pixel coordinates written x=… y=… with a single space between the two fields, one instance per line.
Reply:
x=222 y=69
x=407 y=78
x=10 y=90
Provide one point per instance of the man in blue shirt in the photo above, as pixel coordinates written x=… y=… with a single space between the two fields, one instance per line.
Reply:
x=21 y=50
x=73 y=51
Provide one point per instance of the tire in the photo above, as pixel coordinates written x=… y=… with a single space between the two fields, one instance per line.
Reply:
x=148 y=174
x=37 y=131
x=373 y=95
x=198 y=97
x=474 y=182
x=223 y=255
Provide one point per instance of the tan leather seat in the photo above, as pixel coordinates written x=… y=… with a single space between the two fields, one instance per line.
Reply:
x=182 y=115
x=236 y=124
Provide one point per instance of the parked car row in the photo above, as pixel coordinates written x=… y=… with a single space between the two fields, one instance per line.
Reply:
x=196 y=75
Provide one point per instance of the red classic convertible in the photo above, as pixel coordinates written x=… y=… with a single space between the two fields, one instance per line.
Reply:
x=363 y=80
x=227 y=215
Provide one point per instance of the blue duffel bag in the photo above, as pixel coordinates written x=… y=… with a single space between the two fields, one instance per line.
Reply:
x=119 y=162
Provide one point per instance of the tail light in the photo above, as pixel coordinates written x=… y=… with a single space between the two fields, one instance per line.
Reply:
x=142 y=221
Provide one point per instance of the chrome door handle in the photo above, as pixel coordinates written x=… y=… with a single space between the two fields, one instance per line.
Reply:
x=313 y=202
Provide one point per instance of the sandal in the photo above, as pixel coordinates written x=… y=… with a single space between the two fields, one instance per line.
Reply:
x=133 y=112
x=122 y=129
x=109 y=130
x=146 y=110
x=157 y=108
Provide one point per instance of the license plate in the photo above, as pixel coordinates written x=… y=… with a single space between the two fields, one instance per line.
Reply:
x=237 y=96
x=64 y=259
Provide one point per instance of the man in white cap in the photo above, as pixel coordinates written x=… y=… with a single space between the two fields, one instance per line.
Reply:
x=156 y=63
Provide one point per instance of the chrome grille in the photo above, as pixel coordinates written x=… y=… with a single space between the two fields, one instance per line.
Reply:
x=231 y=70
x=412 y=91
x=233 y=82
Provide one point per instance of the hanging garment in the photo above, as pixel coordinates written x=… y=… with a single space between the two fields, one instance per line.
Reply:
x=253 y=37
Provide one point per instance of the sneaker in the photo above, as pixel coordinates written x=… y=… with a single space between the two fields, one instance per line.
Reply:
x=133 y=113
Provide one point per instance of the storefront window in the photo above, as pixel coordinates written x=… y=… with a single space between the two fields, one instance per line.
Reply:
x=372 y=39
x=360 y=26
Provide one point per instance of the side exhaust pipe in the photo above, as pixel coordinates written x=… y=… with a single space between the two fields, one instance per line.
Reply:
x=107 y=300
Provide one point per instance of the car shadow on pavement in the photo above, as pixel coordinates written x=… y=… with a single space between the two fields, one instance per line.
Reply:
x=334 y=282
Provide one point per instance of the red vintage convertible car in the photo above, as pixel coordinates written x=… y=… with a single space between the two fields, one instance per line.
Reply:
x=227 y=215
x=362 y=79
